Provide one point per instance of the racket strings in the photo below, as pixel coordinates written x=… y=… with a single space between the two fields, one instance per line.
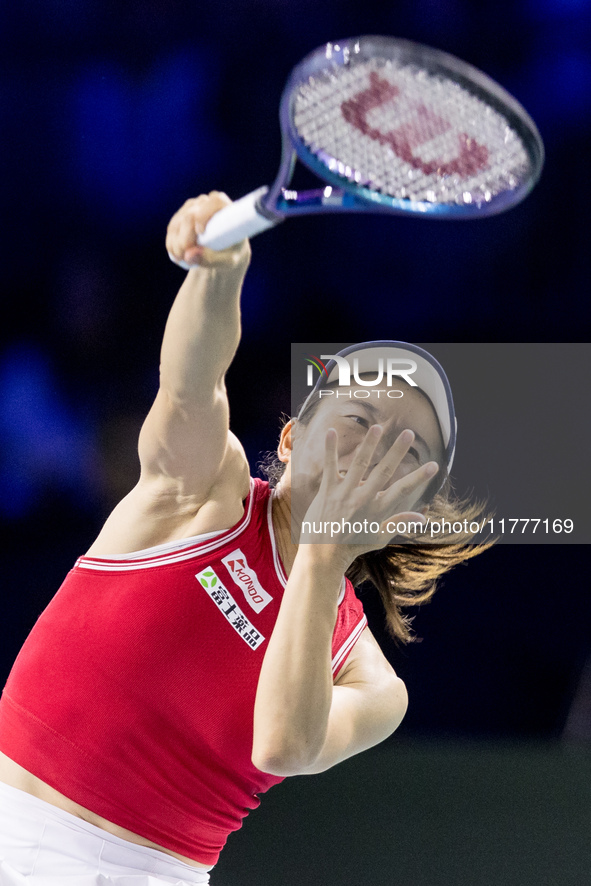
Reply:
x=409 y=133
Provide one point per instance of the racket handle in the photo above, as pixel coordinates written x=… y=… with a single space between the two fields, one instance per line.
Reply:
x=236 y=222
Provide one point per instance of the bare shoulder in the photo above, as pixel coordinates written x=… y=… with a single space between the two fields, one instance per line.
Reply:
x=155 y=511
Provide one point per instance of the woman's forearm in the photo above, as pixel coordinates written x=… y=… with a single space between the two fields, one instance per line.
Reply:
x=203 y=329
x=295 y=686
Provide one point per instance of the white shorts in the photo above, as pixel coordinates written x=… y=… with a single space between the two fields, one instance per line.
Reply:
x=41 y=845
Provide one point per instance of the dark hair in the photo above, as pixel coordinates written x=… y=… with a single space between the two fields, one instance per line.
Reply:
x=406 y=574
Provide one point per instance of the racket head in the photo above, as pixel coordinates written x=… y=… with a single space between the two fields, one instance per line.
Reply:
x=406 y=128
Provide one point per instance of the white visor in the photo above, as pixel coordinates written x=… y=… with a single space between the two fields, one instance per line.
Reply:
x=401 y=360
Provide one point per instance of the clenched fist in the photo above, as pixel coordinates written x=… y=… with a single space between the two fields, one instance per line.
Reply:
x=190 y=221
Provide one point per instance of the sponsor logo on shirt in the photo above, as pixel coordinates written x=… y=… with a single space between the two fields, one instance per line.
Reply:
x=227 y=605
x=246 y=579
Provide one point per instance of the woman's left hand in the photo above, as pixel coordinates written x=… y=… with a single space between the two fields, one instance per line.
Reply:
x=363 y=510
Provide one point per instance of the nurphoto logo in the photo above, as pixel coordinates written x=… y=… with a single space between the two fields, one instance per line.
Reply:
x=391 y=367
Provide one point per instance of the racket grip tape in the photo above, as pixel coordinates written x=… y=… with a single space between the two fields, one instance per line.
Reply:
x=236 y=222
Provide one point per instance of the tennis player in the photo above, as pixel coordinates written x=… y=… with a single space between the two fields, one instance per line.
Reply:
x=200 y=652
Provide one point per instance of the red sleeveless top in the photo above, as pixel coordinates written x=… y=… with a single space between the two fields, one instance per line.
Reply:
x=134 y=692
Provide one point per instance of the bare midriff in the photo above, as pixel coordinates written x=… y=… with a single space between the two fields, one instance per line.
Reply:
x=14 y=775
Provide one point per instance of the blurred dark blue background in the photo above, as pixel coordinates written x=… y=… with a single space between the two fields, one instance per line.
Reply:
x=112 y=115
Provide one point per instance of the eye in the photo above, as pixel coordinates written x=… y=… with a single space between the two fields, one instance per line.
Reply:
x=414 y=454
x=358 y=419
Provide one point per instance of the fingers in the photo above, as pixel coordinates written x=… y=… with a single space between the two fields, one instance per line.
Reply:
x=186 y=225
x=406 y=492
x=386 y=468
x=352 y=504
x=363 y=457
x=331 y=457
x=378 y=479
x=378 y=489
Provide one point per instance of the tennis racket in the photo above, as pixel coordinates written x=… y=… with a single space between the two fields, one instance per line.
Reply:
x=391 y=126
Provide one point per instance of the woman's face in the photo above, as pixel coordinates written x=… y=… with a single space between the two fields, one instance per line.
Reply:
x=351 y=414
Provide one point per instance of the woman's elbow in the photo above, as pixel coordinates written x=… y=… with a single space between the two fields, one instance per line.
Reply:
x=399 y=696
x=285 y=759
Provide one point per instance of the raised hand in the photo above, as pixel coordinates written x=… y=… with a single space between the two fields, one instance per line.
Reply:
x=188 y=223
x=359 y=512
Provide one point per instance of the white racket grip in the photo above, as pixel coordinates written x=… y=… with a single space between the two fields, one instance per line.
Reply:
x=236 y=222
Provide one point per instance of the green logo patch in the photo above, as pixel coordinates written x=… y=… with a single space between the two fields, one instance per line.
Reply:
x=208 y=579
